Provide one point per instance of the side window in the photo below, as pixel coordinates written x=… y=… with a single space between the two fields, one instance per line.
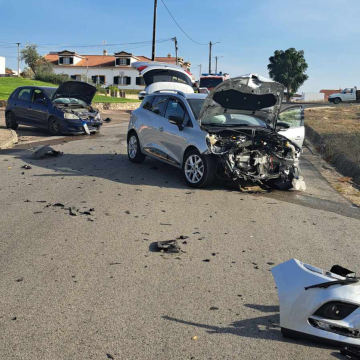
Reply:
x=293 y=116
x=158 y=105
x=24 y=94
x=146 y=104
x=175 y=110
x=37 y=94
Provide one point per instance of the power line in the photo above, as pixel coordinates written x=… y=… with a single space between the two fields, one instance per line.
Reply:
x=180 y=26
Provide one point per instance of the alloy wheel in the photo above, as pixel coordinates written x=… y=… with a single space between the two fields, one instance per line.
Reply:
x=132 y=146
x=55 y=126
x=194 y=169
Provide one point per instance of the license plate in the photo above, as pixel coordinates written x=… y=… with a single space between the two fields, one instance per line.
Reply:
x=87 y=131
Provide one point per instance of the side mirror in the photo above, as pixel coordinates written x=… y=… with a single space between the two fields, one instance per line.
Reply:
x=40 y=101
x=282 y=126
x=177 y=120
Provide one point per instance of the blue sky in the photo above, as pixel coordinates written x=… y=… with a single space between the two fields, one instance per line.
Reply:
x=249 y=31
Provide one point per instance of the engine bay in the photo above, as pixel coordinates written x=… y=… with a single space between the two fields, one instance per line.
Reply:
x=258 y=155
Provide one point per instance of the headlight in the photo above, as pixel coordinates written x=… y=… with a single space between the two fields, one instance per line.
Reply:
x=71 y=116
x=98 y=117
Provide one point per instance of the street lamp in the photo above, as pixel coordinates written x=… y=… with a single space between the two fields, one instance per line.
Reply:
x=216 y=62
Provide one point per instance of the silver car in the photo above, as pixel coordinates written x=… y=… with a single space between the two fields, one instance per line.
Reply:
x=237 y=132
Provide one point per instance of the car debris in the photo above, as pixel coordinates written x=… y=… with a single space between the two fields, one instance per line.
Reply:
x=108 y=119
x=351 y=352
x=26 y=167
x=317 y=305
x=169 y=246
x=45 y=150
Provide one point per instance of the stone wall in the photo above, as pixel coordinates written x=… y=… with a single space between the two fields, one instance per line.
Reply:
x=117 y=106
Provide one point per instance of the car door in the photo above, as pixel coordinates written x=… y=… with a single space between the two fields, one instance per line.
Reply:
x=172 y=138
x=149 y=124
x=21 y=106
x=293 y=117
x=348 y=95
x=38 y=109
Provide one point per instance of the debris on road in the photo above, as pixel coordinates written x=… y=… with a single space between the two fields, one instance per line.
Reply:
x=59 y=205
x=44 y=150
x=108 y=119
x=169 y=246
x=26 y=167
x=73 y=211
x=194 y=338
x=310 y=308
x=214 y=308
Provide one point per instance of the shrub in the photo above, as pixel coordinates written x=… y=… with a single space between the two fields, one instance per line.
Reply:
x=52 y=77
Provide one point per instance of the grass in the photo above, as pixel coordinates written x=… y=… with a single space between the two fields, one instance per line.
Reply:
x=8 y=85
x=340 y=128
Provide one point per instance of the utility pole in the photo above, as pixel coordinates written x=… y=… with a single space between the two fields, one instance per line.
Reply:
x=154 y=32
x=216 y=62
x=199 y=71
x=210 y=46
x=176 y=49
x=18 y=58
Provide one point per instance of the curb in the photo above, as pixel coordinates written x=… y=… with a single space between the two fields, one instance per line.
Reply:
x=341 y=162
x=9 y=143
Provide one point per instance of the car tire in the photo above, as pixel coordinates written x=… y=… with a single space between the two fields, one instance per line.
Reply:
x=337 y=101
x=134 y=150
x=198 y=170
x=55 y=126
x=10 y=121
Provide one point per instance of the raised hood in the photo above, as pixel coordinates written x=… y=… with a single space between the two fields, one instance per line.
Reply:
x=163 y=76
x=77 y=90
x=249 y=94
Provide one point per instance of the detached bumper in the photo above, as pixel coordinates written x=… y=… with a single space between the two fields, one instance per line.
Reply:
x=78 y=127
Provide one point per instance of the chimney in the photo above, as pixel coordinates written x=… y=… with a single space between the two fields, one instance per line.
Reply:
x=105 y=52
x=169 y=55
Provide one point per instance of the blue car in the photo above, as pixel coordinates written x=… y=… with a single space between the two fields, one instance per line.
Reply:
x=63 y=110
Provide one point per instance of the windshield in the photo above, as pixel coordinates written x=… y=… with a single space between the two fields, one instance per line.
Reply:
x=196 y=105
x=49 y=92
x=70 y=101
x=210 y=82
x=233 y=120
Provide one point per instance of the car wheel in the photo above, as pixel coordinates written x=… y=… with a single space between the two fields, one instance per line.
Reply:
x=10 y=121
x=54 y=126
x=337 y=101
x=198 y=170
x=134 y=151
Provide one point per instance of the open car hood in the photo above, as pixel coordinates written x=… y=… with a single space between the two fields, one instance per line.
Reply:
x=77 y=90
x=249 y=94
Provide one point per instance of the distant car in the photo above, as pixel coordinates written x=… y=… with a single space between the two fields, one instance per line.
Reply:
x=142 y=94
x=63 y=110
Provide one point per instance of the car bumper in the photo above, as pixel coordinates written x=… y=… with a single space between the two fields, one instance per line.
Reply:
x=78 y=127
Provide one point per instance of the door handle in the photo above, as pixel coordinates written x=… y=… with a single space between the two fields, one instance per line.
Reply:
x=161 y=129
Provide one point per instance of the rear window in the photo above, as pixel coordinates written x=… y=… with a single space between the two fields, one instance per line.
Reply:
x=210 y=82
x=146 y=103
x=24 y=94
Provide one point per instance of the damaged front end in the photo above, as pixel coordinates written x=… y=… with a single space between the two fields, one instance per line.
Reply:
x=240 y=117
x=318 y=305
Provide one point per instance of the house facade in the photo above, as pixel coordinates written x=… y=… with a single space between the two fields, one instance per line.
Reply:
x=2 y=65
x=105 y=69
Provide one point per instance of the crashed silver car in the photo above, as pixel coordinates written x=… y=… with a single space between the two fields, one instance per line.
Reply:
x=237 y=132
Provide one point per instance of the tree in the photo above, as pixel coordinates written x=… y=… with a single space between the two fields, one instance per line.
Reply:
x=35 y=61
x=288 y=68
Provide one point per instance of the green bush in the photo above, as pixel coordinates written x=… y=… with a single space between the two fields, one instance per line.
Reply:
x=52 y=77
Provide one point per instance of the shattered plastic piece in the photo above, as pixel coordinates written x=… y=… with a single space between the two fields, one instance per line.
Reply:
x=170 y=246
x=45 y=150
x=73 y=211
x=318 y=305
x=194 y=337
x=26 y=167
x=108 y=119
x=337 y=269
x=59 y=205
x=299 y=184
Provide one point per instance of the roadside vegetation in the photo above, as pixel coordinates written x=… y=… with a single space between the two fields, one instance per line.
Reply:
x=339 y=127
x=8 y=85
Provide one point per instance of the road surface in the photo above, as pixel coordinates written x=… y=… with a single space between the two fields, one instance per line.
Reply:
x=91 y=286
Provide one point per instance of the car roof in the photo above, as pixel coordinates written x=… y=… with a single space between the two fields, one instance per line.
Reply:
x=181 y=94
x=36 y=87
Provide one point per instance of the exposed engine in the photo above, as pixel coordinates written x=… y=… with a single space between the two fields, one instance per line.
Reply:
x=260 y=156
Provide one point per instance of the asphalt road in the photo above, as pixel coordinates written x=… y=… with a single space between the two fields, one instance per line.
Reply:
x=92 y=286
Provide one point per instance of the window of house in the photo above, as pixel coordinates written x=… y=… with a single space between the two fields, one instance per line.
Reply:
x=24 y=94
x=76 y=77
x=98 y=79
x=140 y=80
x=66 y=60
x=122 y=61
x=125 y=80
x=158 y=105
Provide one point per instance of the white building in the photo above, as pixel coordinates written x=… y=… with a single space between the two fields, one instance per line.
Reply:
x=105 y=69
x=2 y=65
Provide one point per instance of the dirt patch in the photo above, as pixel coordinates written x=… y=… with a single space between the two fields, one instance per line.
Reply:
x=339 y=128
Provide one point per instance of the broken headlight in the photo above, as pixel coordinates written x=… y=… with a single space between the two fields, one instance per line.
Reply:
x=71 y=116
x=97 y=117
x=335 y=310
